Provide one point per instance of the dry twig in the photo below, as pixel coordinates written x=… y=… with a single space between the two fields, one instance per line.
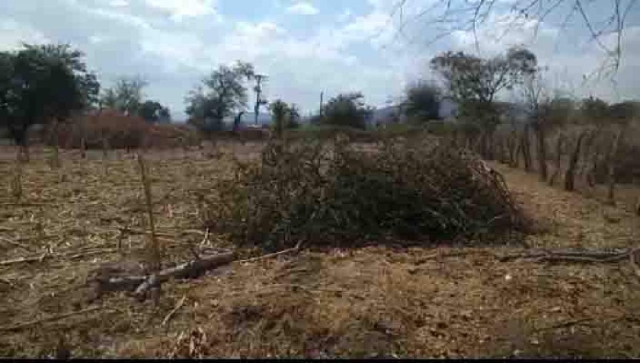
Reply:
x=48 y=319
x=173 y=311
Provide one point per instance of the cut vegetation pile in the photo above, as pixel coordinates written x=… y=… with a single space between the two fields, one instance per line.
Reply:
x=334 y=194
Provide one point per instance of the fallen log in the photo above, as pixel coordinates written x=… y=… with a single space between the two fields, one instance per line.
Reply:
x=566 y=255
x=141 y=284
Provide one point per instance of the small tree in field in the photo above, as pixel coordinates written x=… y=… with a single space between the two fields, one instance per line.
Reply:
x=284 y=116
x=41 y=84
x=223 y=95
x=346 y=110
x=279 y=111
x=474 y=83
x=125 y=96
x=422 y=101
x=154 y=112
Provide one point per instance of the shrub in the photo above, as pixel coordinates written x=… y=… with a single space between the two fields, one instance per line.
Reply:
x=346 y=110
x=334 y=194
x=120 y=131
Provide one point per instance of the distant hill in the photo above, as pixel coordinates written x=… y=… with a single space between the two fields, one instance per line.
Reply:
x=264 y=118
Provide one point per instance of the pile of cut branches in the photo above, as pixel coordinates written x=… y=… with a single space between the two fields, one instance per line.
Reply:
x=331 y=193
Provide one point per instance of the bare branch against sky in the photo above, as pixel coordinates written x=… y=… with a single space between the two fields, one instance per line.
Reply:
x=469 y=15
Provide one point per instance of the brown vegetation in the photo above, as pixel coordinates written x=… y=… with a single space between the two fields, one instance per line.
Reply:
x=111 y=129
x=388 y=300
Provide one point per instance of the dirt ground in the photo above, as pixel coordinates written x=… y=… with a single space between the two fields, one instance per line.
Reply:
x=373 y=301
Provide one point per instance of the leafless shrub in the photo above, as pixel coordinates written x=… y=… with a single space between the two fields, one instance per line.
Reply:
x=333 y=193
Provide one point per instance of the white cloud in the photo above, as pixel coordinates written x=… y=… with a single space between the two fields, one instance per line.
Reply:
x=345 y=15
x=13 y=34
x=96 y=39
x=302 y=8
x=130 y=20
x=180 y=9
x=118 y=3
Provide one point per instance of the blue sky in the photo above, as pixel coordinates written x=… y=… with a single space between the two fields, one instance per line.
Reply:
x=305 y=46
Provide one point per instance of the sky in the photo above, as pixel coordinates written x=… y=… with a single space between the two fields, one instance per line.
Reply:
x=311 y=46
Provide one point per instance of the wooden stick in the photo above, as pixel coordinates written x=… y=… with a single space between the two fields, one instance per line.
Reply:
x=90 y=253
x=155 y=255
x=565 y=324
x=23 y=260
x=48 y=255
x=571 y=256
x=14 y=243
x=178 y=306
x=296 y=248
x=50 y=318
x=632 y=260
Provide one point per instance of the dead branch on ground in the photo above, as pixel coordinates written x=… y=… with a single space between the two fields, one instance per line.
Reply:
x=48 y=319
x=576 y=256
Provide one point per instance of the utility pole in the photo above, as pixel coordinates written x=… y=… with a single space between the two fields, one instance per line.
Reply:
x=321 y=99
x=258 y=90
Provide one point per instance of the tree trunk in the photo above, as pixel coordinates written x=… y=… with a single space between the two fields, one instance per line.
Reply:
x=53 y=140
x=21 y=138
x=526 y=149
x=513 y=149
x=585 y=153
x=489 y=145
x=558 y=155
x=611 y=165
x=516 y=155
x=502 y=152
x=593 y=165
x=571 y=170
x=542 y=151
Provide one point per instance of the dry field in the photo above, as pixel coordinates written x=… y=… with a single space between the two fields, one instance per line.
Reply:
x=373 y=301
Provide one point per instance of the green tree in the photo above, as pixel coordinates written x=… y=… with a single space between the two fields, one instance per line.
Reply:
x=125 y=96
x=284 y=116
x=346 y=110
x=280 y=112
x=152 y=111
x=223 y=95
x=422 y=101
x=294 y=116
x=474 y=84
x=40 y=84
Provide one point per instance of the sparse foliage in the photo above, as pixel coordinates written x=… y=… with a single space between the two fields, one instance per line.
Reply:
x=223 y=95
x=475 y=82
x=454 y=16
x=125 y=96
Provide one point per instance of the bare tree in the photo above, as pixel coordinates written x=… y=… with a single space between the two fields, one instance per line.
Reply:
x=448 y=17
x=611 y=165
x=558 y=167
x=569 y=177
x=536 y=99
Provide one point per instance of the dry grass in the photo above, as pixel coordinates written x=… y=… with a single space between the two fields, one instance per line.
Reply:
x=383 y=301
